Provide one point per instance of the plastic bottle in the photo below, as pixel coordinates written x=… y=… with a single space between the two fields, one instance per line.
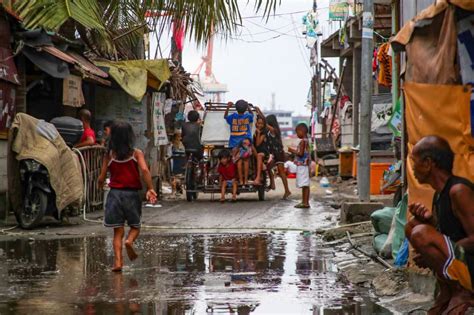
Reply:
x=324 y=182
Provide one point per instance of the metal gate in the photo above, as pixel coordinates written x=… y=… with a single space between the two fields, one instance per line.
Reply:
x=92 y=161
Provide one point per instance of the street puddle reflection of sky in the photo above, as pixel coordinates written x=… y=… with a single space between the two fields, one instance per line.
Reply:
x=270 y=273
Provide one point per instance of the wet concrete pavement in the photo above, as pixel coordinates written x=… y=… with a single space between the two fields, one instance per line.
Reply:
x=209 y=215
x=264 y=273
x=191 y=262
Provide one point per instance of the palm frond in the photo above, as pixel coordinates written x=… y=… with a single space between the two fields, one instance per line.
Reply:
x=102 y=23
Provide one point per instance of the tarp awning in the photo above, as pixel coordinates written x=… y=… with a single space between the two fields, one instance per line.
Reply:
x=134 y=75
x=424 y=18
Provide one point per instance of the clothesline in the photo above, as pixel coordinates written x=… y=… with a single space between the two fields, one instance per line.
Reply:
x=381 y=36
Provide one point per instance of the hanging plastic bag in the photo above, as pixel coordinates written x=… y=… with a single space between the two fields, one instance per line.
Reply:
x=402 y=255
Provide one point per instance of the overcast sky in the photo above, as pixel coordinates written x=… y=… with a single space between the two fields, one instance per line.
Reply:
x=265 y=58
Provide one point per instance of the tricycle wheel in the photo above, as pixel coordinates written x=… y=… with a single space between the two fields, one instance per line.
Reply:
x=261 y=193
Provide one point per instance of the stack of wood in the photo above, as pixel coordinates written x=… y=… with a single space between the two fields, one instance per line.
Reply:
x=181 y=84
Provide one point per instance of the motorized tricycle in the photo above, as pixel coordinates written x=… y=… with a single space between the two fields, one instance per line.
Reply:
x=201 y=173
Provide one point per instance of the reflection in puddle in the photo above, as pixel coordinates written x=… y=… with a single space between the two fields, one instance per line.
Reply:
x=177 y=274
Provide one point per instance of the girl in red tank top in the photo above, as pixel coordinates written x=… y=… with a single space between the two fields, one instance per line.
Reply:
x=125 y=163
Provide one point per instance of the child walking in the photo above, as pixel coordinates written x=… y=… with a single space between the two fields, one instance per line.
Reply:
x=124 y=163
x=240 y=136
x=227 y=174
x=302 y=161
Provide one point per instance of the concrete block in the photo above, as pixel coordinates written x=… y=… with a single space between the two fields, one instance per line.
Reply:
x=352 y=212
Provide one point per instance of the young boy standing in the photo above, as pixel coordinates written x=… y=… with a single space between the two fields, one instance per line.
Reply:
x=191 y=135
x=226 y=172
x=240 y=130
x=302 y=161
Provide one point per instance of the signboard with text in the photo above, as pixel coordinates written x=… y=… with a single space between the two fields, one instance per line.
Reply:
x=159 y=130
x=338 y=10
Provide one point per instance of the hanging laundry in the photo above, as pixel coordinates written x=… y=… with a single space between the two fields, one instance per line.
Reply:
x=374 y=61
x=385 y=65
x=311 y=28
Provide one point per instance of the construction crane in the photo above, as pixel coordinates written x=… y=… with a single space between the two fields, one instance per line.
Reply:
x=214 y=91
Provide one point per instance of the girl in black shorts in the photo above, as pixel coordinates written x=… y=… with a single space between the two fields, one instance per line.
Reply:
x=261 y=148
x=124 y=205
x=275 y=146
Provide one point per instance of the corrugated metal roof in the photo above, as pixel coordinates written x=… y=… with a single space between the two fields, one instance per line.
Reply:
x=87 y=65
x=57 y=53
x=75 y=59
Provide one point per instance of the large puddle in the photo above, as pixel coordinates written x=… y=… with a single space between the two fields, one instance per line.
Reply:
x=271 y=273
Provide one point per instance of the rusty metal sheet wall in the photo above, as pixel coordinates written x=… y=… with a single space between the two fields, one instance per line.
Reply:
x=410 y=8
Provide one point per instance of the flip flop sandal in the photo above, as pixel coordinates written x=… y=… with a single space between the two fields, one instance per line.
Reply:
x=117 y=269
x=302 y=206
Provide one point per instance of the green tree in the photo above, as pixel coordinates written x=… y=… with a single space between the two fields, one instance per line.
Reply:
x=113 y=28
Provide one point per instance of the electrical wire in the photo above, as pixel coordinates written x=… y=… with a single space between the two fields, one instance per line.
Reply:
x=276 y=31
x=305 y=60
x=266 y=31
x=6 y=230
x=256 y=41
x=281 y=14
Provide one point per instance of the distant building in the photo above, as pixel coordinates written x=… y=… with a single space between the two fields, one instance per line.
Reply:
x=298 y=119
x=284 y=120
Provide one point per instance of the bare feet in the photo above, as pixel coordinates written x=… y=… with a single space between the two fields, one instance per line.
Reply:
x=132 y=255
x=286 y=195
x=461 y=300
x=118 y=264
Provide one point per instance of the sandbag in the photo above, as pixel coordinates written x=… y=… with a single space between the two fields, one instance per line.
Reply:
x=379 y=241
x=400 y=219
x=386 y=250
x=382 y=220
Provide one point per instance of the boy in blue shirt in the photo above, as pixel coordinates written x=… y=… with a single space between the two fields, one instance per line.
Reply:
x=240 y=131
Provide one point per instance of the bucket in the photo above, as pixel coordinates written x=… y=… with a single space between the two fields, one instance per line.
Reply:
x=376 y=176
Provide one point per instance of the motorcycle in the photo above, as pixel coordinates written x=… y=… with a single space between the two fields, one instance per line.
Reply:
x=47 y=151
x=38 y=195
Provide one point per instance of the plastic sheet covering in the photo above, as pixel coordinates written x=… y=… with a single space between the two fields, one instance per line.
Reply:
x=62 y=164
x=216 y=130
x=442 y=110
x=133 y=75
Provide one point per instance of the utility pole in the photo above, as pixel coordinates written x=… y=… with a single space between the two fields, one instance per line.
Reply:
x=316 y=83
x=363 y=178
